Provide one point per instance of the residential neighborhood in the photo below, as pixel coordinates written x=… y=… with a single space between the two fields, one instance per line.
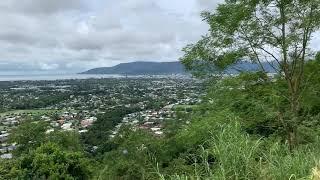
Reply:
x=75 y=105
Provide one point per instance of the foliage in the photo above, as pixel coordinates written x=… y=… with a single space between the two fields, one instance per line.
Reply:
x=239 y=156
x=274 y=31
x=49 y=162
x=132 y=159
x=29 y=135
x=32 y=134
x=242 y=29
x=67 y=140
x=101 y=129
x=9 y=169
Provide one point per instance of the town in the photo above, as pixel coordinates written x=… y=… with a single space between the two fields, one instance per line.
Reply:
x=75 y=105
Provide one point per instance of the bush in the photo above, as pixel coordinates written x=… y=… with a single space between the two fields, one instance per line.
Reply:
x=47 y=162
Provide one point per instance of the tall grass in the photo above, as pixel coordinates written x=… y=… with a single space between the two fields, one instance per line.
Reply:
x=239 y=156
x=280 y=163
x=235 y=153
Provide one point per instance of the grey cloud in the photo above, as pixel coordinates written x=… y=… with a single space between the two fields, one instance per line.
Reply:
x=70 y=35
x=86 y=43
x=44 y=6
x=17 y=37
x=208 y=4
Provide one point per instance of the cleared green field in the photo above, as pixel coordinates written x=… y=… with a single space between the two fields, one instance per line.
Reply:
x=31 y=111
x=184 y=107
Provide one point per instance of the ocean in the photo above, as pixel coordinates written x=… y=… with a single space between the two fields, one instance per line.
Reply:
x=56 y=77
x=80 y=76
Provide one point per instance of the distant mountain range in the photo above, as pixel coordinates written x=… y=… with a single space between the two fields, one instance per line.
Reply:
x=162 y=68
x=141 y=68
x=248 y=66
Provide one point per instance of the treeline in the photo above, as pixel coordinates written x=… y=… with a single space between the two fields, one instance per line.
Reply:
x=99 y=133
x=41 y=101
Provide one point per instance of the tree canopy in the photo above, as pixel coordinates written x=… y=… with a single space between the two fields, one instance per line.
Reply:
x=275 y=31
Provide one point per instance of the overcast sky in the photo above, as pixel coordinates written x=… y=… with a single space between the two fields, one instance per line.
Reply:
x=75 y=35
x=58 y=36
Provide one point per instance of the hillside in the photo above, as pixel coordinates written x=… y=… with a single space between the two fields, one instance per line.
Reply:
x=155 y=68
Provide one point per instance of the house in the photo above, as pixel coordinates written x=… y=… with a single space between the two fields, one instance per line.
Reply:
x=4 y=137
x=88 y=122
x=158 y=132
x=49 y=131
x=61 y=121
x=155 y=129
x=67 y=126
x=6 y=156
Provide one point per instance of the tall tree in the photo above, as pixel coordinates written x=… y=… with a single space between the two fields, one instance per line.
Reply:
x=274 y=31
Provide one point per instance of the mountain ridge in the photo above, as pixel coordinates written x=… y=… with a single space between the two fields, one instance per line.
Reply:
x=162 y=68
x=141 y=67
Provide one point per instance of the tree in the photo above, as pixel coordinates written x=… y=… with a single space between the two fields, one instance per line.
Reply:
x=49 y=161
x=29 y=135
x=67 y=140
x=274 y=31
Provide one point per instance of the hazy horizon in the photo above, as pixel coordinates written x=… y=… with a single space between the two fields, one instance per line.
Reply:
x=55 y=72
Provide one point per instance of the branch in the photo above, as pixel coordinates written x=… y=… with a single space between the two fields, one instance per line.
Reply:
x=272 y=55
x=277 y=70
x=254 y=51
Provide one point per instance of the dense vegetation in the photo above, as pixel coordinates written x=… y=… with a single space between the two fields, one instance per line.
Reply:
x=248 y=126
x=233 y=134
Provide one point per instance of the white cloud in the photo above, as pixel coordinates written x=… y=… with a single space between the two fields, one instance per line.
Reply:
x=75 y=35
x=44 y=66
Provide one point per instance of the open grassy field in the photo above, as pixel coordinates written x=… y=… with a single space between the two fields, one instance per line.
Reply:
x=29 y=111
x=184 y=107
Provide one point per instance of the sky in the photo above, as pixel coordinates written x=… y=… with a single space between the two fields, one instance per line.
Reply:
x=69 y=36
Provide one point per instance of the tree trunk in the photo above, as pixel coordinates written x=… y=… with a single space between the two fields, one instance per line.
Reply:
x=294 y=114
